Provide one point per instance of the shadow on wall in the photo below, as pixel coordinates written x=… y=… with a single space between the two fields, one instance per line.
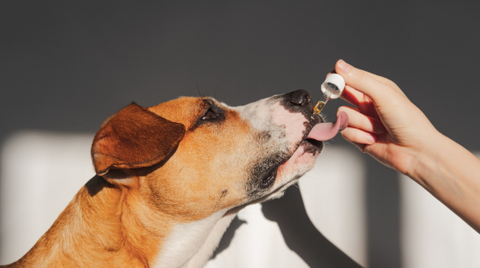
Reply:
x=301 y=235
x=298 y=231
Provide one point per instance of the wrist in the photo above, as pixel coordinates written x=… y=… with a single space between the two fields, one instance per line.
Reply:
x=427 y=159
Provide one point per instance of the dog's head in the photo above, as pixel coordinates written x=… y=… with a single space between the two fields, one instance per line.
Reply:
x=192 y=157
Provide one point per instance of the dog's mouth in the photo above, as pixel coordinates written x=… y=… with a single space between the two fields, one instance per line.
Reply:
x=311 y=144
x=320 y=131
x=317 y=145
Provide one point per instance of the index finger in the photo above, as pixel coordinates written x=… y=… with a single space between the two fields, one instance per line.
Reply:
x=362 y=101
x=385 y=81
x=379 y=89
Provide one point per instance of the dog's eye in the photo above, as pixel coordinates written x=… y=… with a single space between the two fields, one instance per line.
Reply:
x=209 y=115
x=212 y=115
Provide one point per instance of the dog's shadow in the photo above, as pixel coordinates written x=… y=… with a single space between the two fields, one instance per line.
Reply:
x=298 y=231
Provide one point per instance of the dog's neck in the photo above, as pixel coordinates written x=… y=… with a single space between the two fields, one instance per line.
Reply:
x=111 y=226
x=98 y=226
x=191 y=244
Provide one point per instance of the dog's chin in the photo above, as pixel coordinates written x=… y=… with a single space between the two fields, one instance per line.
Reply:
x=288 y=173
x=302 y=160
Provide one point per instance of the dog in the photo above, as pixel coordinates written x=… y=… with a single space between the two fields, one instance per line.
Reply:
x=170 y=178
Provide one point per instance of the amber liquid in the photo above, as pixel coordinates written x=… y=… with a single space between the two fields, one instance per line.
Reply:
x=319 y=107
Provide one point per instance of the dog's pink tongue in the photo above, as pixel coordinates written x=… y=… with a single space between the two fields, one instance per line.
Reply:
x=326 y=131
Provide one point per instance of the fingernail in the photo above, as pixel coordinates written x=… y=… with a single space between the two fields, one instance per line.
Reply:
x=344 y=67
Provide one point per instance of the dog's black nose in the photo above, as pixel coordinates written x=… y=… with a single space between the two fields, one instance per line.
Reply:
x=300 y=97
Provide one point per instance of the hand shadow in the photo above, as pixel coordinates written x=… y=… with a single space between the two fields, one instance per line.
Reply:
x=298 y=231
x=300 y=234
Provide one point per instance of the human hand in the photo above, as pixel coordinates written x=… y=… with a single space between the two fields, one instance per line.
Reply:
x=385 y=124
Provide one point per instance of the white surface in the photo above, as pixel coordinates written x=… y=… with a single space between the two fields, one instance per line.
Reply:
x=40 y=174
x=333 y=193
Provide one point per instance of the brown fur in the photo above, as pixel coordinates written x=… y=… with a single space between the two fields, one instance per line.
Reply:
x=122 y=216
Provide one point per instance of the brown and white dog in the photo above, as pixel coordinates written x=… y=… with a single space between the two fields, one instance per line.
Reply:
x=170 y=178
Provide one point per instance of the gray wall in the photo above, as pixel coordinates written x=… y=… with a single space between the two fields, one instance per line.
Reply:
x=67 y=65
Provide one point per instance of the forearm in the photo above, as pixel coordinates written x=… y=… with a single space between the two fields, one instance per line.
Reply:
x=452 y=174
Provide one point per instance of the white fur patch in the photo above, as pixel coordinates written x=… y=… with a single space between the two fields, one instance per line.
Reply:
x=189 y=239
x=285 y=127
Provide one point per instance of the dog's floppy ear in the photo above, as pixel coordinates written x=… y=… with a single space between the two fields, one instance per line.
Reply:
x=134 y=138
